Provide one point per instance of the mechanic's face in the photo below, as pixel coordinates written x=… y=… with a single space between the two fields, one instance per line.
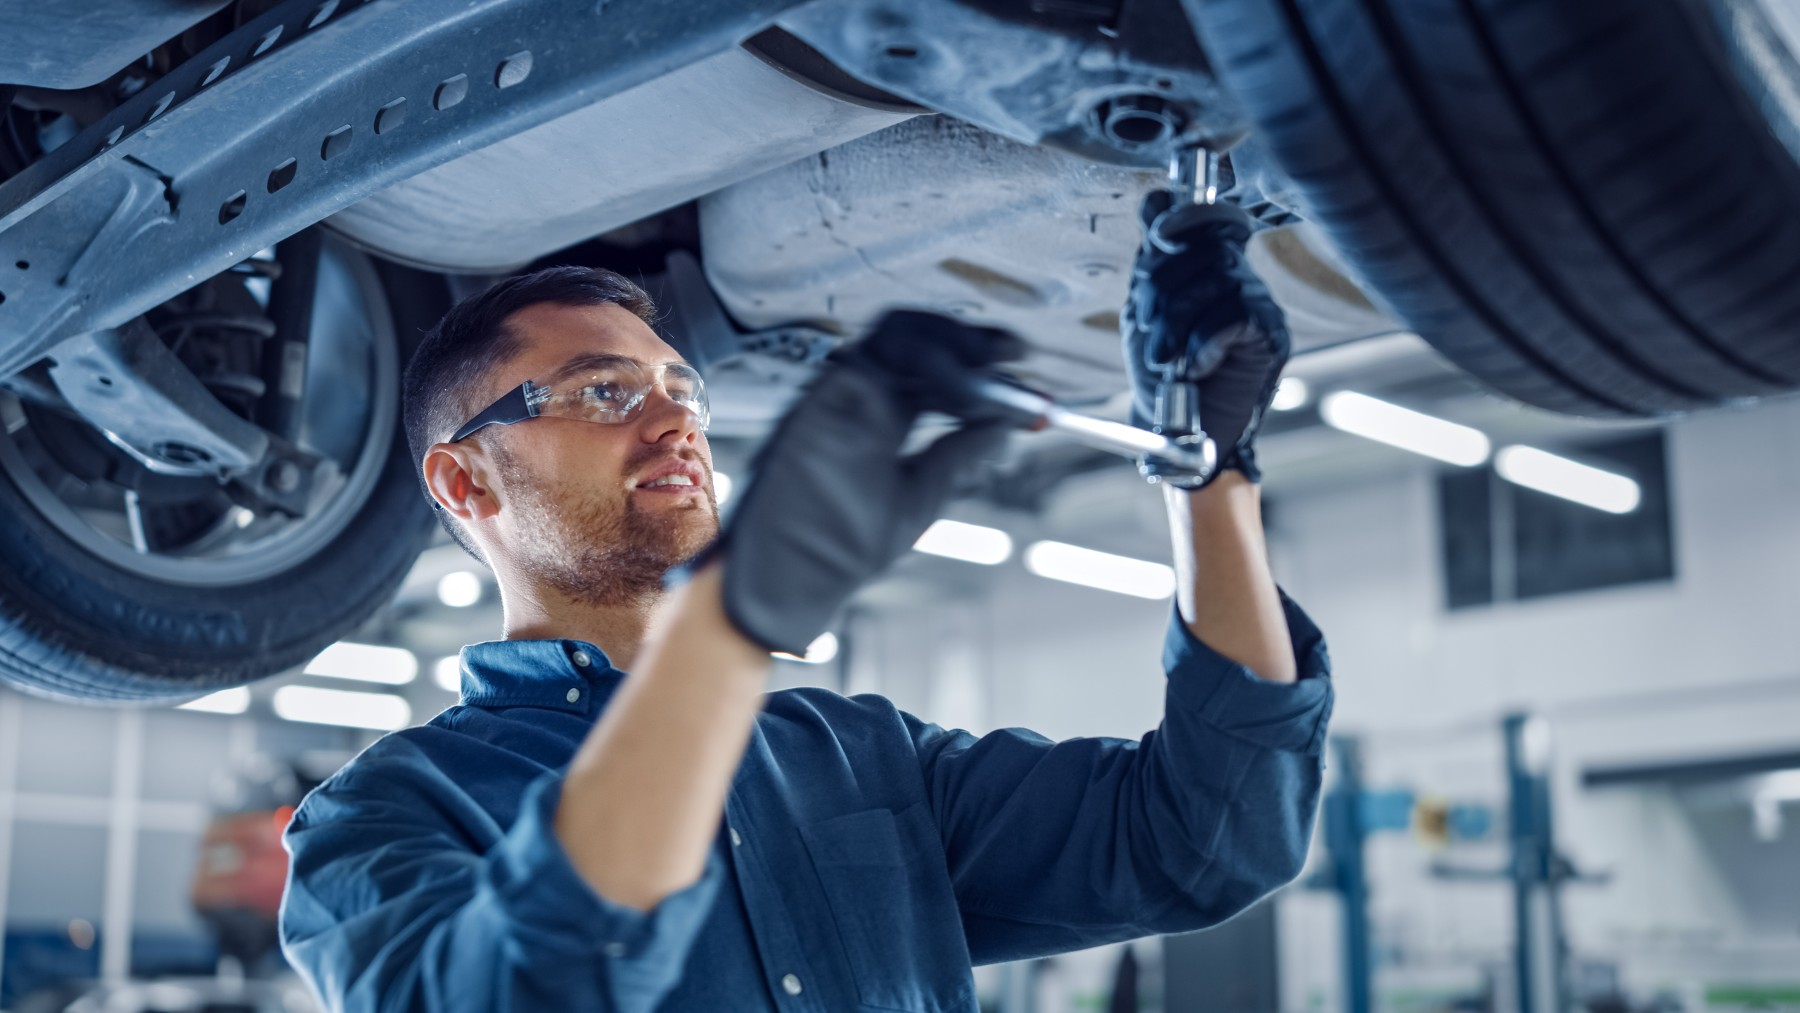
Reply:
x=576 y=510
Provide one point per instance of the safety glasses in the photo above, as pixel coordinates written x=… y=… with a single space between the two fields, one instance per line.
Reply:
x=608 y=389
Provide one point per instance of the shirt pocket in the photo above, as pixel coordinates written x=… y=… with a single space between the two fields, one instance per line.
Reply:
x=891 y=899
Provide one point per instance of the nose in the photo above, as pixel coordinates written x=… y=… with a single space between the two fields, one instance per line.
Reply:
x=667 y=420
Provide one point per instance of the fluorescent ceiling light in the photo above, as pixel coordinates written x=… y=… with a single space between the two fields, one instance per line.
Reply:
x=459 y=589
x=1572 y=480
x=447 y=673
x=225 y=701
x=1370 y=418
x=1780 y=785
x=721 y=487
x=1290 y=394
x=345 y=708
x=970 y=543
x=823 y=648
x=1103 y=570
x=390 y=666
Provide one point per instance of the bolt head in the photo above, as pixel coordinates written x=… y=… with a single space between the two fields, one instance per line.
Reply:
x=283 y=476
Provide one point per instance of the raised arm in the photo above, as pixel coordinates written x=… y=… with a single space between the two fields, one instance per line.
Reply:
x=1223 y=588
x=645 y=792
x=1197 y=316
x=1055 y=846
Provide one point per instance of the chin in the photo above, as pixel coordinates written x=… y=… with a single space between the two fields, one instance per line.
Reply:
x=685 y=529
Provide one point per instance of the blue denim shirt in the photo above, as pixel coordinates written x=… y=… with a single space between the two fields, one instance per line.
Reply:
x=866 y=859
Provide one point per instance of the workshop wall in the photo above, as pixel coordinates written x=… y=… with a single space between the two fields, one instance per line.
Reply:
x=1697 y=667
x=102 y=813
x=1700 y=666
x=1704 y=666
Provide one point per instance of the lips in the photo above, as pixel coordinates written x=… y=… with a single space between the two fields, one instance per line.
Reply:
x=672 y=477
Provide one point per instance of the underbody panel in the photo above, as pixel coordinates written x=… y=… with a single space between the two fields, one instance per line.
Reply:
x=934 y=213
x=689 y=132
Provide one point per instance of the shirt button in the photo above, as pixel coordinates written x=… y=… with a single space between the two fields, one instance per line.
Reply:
x=615 y=949
x=735 y=839
x=581 y=659
x=790 y=984
x=573 y=695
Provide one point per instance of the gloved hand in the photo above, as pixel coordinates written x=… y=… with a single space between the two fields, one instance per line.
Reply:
x=1192 y=291
x=833 y=502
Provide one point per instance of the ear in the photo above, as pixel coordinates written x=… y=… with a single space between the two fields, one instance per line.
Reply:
x=456 y=476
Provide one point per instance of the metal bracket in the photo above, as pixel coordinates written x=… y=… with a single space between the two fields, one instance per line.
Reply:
x=297 y=115
x=144 y=400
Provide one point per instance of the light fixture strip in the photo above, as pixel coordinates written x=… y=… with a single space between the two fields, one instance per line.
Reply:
x=226 y=701
x=1104 y=570
x=971 y=543
x=1378 y=420
x=342 y=708
x=1571 y=480
x=388 y=666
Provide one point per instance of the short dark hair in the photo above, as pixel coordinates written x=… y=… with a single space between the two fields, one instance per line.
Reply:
x=447 y=370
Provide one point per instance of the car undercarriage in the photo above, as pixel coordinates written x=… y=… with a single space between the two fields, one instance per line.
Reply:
x=223 y=224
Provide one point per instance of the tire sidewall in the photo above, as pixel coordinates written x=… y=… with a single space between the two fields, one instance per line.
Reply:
x=73 y=625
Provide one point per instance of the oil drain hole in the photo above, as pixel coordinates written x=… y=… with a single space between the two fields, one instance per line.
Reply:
x=1134 y=121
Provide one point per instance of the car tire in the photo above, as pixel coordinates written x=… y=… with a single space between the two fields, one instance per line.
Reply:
x=76 y=625
x=1593 y=207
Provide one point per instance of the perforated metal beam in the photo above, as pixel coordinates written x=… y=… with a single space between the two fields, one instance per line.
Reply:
x=298 y=115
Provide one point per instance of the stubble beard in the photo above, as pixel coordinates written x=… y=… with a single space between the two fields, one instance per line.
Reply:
x=601 y=552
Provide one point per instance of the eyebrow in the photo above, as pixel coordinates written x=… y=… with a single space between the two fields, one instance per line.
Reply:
x=598 y=360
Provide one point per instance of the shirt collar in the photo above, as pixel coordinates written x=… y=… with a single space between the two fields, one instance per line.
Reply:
x=559 y=674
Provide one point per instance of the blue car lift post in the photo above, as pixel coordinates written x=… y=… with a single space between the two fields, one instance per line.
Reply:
x=1536 y=870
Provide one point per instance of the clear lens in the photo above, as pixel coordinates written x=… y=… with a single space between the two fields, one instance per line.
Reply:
x=611 y=395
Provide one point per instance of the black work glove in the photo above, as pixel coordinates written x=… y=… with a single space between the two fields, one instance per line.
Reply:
x=832 y=501
x=1192 y=291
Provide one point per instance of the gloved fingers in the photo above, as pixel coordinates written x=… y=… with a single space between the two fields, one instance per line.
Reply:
x=1201 y=228
x=915 y=343
x=1203 y=332
x=931 y=358
x=850 y=410
x=929 y=478
x=1153 y=205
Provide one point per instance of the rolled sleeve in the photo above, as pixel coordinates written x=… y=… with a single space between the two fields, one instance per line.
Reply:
x=547 y=902
x=1238 y=702
x=392 y=905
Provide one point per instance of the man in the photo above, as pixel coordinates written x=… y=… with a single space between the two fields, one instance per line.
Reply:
x=575 y=837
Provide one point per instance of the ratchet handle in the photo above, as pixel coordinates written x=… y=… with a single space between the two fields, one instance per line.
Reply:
x=990 y=397
x=1036 y=411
